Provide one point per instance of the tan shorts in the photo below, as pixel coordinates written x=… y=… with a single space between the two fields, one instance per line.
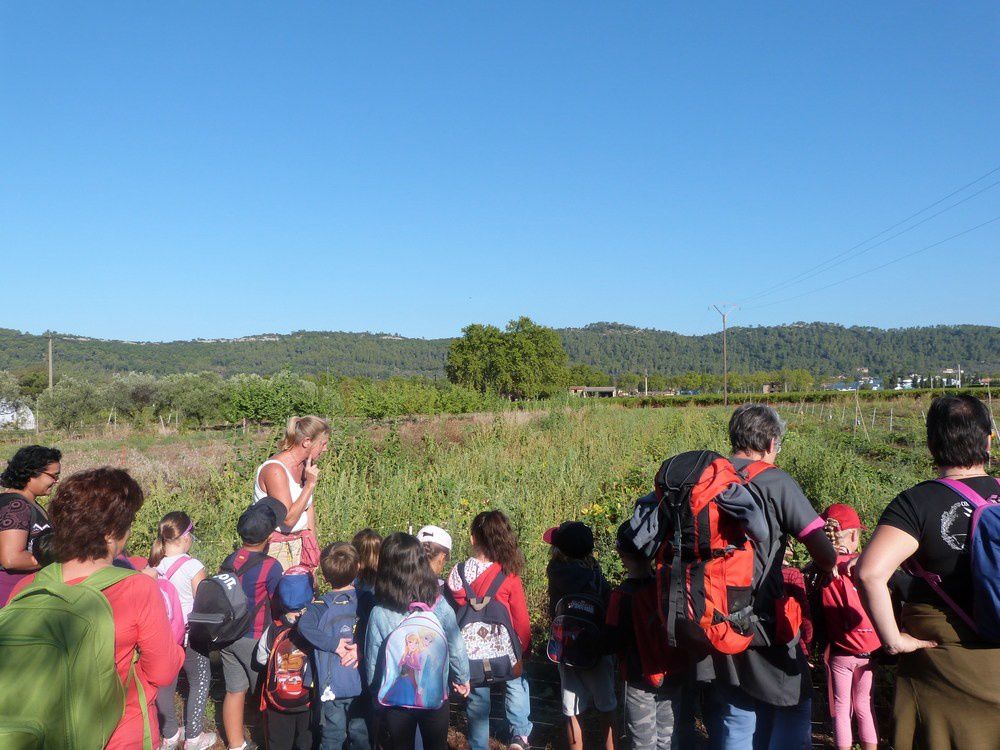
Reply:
x=287 y=553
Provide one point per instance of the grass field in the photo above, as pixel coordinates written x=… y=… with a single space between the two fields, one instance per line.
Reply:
x=540 y=467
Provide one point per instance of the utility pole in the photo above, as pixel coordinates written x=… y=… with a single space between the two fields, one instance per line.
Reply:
x=645 y=382
x=959 y=374
x=725 y=352
x=50 y=363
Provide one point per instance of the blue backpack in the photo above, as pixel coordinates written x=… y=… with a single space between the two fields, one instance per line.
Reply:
x=415 y=666
x=984 y=549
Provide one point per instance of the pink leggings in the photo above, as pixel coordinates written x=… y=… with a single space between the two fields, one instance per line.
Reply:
x=851 y=687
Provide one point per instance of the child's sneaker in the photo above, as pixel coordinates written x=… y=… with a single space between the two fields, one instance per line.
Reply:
x=173 y=743
x=203 y=741
x=520 y=742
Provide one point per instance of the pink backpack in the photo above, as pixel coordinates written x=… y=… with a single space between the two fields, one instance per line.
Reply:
x=172 y=600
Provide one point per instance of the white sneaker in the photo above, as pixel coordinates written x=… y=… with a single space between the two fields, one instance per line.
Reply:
x=173 y=743
x=203 y=741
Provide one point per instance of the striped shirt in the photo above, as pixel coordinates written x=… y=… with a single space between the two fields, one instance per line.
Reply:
x=259 y=584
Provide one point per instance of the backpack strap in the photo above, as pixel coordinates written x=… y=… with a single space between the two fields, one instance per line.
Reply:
x=479 y=603
x=968 y=494
x=934 y=581
x=147 y=734
x=418 y=607
x=178 y=564
x=750 y=471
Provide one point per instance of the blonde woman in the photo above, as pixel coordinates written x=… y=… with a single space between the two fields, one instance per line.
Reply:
x=290 y=476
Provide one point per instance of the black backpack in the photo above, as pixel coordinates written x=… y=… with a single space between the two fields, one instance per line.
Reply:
x=221 y=613
x=493 y=646
x=577 y=635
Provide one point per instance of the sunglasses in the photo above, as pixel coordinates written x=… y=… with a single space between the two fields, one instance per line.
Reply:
x=50 y=475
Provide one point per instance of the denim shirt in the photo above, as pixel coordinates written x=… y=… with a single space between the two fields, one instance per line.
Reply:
x=383 y=621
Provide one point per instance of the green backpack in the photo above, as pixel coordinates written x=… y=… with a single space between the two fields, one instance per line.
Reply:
x=59 y=686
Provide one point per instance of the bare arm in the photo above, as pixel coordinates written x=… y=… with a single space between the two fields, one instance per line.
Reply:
x=13 y=551
x=196 y=580
x=311 y=517
x=887 y=550
x=274 y=481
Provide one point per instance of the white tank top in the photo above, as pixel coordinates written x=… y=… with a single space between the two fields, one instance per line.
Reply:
x=294 y=490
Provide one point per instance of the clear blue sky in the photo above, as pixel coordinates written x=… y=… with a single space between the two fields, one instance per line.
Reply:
x=203 y=169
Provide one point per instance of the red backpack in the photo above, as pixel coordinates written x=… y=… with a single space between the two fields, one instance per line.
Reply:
x=848 y=627
x=705 y=562
x=643 y=650
x=288 y=674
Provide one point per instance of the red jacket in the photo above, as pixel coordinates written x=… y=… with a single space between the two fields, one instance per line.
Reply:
x=510 y=594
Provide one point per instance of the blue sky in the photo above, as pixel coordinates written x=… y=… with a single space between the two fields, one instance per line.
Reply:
x=191 y=169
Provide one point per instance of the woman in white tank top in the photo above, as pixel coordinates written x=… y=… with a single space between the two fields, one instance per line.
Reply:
x=290 y=476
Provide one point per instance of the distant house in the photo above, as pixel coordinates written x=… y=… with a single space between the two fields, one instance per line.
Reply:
x=588 y=391
x=16 y=417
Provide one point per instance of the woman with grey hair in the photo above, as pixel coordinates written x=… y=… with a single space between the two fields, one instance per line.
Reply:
x=763 y=696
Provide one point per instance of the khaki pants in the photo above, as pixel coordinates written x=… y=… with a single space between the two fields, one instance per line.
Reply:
x=287 y=553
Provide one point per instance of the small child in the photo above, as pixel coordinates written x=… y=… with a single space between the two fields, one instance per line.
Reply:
x=341 y=708
x=406 y=583
x=437 y=548
x=283 y=655
x=850 y=636
x=368 y=543
x=495 y=551
x=657 y=689
x=573 y=569
x=259 y=576
x=169 y=557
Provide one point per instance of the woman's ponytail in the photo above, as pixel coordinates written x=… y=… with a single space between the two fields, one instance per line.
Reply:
x=300 y=429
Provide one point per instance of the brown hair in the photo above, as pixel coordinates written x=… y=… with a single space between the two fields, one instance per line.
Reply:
x=339 y=563
x=88 y=508
x=300 y=429
x=368 y=543
x=171 y=528
x=493 y=536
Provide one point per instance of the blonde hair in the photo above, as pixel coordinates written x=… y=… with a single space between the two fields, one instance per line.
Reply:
x=300 y=429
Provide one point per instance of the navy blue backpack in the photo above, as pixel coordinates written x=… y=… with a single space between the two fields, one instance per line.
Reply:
x=984 y=548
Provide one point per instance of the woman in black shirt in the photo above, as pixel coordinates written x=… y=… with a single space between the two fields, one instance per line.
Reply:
x=30 y=474
x=948 y=681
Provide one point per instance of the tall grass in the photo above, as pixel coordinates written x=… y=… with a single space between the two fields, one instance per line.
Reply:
x=543 y=468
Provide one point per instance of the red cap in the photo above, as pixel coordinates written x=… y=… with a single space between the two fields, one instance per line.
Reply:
x=845 y=515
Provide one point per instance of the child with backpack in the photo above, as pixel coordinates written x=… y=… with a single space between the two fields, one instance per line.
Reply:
x=437 y=548
x=258 y=576
x=341 y=707
x=284 y=657
x=493 y=617
x=578 y=601
x=851 y=639
x=658 y=712
x=413 y=649
x=169 y=557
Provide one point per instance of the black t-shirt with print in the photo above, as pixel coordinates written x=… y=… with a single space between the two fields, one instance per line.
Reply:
x=939 y=519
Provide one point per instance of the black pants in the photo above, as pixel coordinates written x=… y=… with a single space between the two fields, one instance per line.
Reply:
x=397 y=727
x=286 y=731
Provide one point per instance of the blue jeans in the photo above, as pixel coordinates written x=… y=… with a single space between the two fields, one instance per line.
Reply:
x=516 y=706
x=736 y=721
x=344 y=719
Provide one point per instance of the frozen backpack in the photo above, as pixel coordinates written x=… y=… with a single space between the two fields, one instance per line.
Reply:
x=493 y=646
x=415 y=662
x=984 y=548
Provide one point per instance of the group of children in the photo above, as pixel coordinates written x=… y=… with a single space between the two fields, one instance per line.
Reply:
x=374 y=659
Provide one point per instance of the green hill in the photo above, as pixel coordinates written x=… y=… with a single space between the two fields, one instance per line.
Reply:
x=821 y=348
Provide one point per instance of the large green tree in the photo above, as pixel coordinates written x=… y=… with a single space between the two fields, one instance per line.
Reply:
x=525 y=360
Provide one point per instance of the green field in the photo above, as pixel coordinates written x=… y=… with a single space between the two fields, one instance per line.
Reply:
x=540 y=467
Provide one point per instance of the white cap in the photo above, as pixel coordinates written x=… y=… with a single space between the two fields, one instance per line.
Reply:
x=435 y=534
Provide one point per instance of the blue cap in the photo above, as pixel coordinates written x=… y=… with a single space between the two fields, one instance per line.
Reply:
x=295 y=591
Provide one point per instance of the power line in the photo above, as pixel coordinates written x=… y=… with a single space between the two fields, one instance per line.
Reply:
x=842 y=256
x=879 y=267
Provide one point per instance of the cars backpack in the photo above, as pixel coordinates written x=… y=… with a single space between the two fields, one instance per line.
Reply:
x=221 y=613
x=59 y=684
x=576 y=634
x=287 y=675
x=705 y=564
x=415 y=662
x=493 y=646
x=984 y=550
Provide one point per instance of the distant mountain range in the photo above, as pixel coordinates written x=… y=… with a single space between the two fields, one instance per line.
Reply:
x=821 y=348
